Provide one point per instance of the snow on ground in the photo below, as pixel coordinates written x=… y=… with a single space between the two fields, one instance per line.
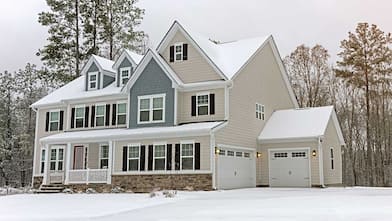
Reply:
x=246 y=204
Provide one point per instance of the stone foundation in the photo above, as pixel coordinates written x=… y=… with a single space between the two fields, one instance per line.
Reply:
x=37 y=181
x=99 y=187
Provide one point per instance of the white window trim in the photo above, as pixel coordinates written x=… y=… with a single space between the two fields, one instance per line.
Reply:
x=176 y=53
x=43 y=155
x=193 y=161
x=153 y=155
x=260 y=112
x=96 y=115
x=117 y=114
x=121 y=77
x=58 y=120
x=57 y=148
x=100 y=155
x=208 y=103
x=332 y=158
x=89 y=82
x=151 y=109
x=133 y=158
x=84 y=114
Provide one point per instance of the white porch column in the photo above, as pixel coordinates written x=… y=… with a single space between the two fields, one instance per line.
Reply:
x=68 y=162
x=46 y=178
x=110 y=163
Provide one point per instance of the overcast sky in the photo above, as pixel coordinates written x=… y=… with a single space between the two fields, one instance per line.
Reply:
x=291 y=22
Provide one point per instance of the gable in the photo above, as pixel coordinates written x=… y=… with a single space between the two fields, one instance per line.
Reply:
x=196 y=68
x=124 y=63
x=93 y=68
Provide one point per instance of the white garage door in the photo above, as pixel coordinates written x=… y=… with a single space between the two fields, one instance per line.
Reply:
x=235 y=169
x=289 y=168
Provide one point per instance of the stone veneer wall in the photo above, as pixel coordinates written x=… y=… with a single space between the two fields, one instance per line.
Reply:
x=37 y=181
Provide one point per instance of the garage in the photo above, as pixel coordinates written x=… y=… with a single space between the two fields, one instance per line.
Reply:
x=235 y=168
x=289 y=168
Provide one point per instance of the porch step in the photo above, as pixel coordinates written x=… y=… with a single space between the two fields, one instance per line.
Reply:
x=51 y=188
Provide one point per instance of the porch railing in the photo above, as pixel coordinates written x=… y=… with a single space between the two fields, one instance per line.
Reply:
x=88 y=176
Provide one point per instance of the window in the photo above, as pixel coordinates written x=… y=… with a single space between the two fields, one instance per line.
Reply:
x=103 y=156
x=247 y=155
x=222 y=152
x=100 y=115
x=202 y=104
x=54 y=120
x=332 y=159
x=230 y=153
x=178 y=52
x=298 y=154
x=92 y=80
x=260 y=111
x=121 y=113
x=43 y=156
x=151 y=109
x=133 y=157
x=56 y=158
x=280 y=155
x=125 y=73
x=79 y=117
x=187 y=156
x=159 y=156
x=238 y=154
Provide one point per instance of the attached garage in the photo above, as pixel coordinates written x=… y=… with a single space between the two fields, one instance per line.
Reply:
x=235 y=168
x=289 y=168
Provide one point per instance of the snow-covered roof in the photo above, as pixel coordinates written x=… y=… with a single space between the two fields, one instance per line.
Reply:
x=192 y=129
x=75 y=90
x=299 y=124
x=105 y=64
x=135 y=57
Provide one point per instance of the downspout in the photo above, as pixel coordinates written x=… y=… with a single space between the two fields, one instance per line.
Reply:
x=321 y=162
x=212 y=162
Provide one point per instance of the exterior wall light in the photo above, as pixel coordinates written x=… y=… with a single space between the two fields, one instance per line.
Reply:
x=258 y=154
x=314 y=153
x=217 y=151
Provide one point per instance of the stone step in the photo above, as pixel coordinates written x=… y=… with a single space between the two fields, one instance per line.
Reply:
x=48 y=191
x=51 y=188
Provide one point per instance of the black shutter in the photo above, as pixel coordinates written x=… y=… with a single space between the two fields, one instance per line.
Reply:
x=125 y=158
x=150 y=156
x=177 y=157
x=185 y=52
x=114 y=109
x=61 y=120
x=193 y=104
x=169 y=157
x=142 y=157
x=107 y=118
x=212 y=103
x=171 y=53
x=73 y=117
x=47 y=122
x=86 y=114
x=93 y=116
x=197 y=156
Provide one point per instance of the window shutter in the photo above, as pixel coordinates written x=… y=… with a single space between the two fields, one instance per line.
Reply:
x=212 y=103
x=193 y=104
x=185 y=52
x=107 y=118
x=86 y=114
x=169 y=157
x=125 y=158
x=172 y=53
x=142 y=157
x=73 y=117
x=47 y=122
x=93 y=116
x=197 y=156
x=150 y=156
x=114 y=112
x=61 y=120
x=177 y=157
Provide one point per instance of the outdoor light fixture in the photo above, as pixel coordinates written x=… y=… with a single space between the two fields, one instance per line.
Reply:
x=217 y=150
x=258 y=154
x=314 y=153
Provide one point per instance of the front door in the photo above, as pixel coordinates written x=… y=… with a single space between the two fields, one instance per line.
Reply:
x=79 y=157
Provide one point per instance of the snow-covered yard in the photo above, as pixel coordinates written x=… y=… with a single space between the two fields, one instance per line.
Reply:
x=245 y=204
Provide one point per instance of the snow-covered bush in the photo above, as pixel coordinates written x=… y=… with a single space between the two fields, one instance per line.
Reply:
x=68 y=190
x=169 y=193
x=117 y=189
x=91 y=190
x=189 y=188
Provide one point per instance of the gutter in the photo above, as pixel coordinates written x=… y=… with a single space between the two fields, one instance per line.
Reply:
x=321 y=162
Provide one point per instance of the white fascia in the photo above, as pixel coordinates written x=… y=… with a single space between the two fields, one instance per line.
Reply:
x=205 y=85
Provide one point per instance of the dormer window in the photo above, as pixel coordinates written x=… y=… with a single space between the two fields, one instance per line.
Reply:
x=92 y=80
x=125 y=73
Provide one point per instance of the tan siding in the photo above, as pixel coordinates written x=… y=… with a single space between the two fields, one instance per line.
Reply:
x=184 y=107
x=195 y=69
x=332 y=140
x=205 y=152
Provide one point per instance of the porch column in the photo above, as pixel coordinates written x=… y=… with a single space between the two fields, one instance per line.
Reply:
x=68 y=162
x=110 y=163
x=46 y=179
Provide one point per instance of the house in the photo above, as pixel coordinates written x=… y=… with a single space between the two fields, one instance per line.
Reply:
x=191 y=113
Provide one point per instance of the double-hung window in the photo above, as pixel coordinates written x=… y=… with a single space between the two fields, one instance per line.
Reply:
x=79 y=117
x=178 y=51
x=151 y=108
x=133 y=157
x=43 y=159
x=92 y=80
x=125 y=74
x=54 y=120
x=260 y=114
x=100 y=115
x=187 y=155
x=332 y=158
x=103 y=156
x=56 y=158
x=159 y=156
x=121 y=113
x=202 y=104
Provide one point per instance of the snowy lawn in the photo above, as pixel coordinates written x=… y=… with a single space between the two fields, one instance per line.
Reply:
x=246 y=204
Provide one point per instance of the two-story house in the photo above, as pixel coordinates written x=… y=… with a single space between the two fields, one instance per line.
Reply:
x=191 y=113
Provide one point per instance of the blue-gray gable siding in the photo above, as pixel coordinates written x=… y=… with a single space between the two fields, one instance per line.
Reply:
x=125 y=63
x=93 y=68
x=107 y=80
x=152 y=80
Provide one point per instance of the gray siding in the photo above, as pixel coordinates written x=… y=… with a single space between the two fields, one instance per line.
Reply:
x=123 y=64
x=93 y=68
x=107 y=80
x=152 y=81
